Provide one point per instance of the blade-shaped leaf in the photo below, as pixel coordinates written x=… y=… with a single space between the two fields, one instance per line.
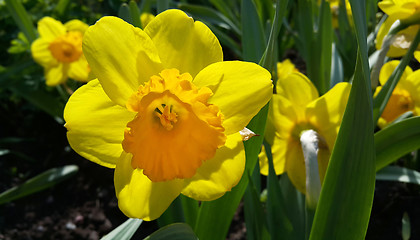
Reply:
x=347 y=192
x=253 y=39
x=396 y=140
x=176 y=231
x=125 y=231
x=398 y=174
x=40 y=182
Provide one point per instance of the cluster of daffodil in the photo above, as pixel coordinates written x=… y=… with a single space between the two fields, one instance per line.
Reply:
x=162 y=107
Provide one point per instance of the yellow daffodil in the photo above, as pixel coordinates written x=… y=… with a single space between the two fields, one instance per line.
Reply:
x=59 y=50
x=145 y=18
x=296 y=108
x=398 y=10
x=334 y=5
x=285 y=68
x=165 y=111
x=406 y=95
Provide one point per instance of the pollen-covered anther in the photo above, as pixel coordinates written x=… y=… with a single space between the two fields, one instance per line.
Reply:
x=175 y=129
x=166 y=116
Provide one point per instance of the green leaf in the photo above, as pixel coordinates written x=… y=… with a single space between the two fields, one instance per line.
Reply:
x=226 y=10
x=125 y=231
x=256 y=225
x=383 y=96
x=294 y=205
x=396 y=140
x=209 y=15
x=40 y=182
x=124 y=13
x=279 y=225
x=321 y=59
x=406 y=227
x=135 y=14
x=398 y=174
x=176 y=231
x=62 y=7
x=174 y=213
x=21 y=18
x=348 y=188
x=162 y=5
x=253 y=39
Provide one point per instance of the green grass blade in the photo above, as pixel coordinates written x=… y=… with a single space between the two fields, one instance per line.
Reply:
x=226 y=10
x=324 y=52
x=383 y=96
x=124 y=13
x=176 y=231
x=40 y=182
x=190 y=207
x=347 y=192
x=125 y=231
x=396 y=140
x=135 y=14
x=398 y=174
x=210 y=15
x=162 y=5
x=256 y=226
x=173 y=214
x=294 y=207
x=62 y=7
x=22 y=18
x=253 y=39
x=279 y=226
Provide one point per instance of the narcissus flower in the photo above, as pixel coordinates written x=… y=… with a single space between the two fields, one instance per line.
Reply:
x=165 y=111
x=59 y=50
x=296 y=108
x=406 y=95
x=335 y=6
x=145 y=18
x=398 y=10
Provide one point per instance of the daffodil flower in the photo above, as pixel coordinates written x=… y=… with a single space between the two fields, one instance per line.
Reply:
x=295 y=109
x=335 y=6
x=398 y=10
x=165 y=111
x=405 y=97
x=59 y=50
x=145 y=18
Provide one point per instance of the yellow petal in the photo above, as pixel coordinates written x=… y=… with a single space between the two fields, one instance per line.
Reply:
x=121 y=56
x=298 y=89
x=417 y=55
x=95 y=124
x=76 y=25
x=182 y=43
x=240 y=90
x=49 y=28
x=295 y=165
x=388 y=68
x=219 y=174
x=278 y=152
x=326 y=112
x=56 y=75
x=283 y=115
x=41 y=53
x=138 y=197
x=412 y=85
x=79 y=70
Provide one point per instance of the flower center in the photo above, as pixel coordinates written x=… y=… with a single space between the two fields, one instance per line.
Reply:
x=399 y=103
x=68 y=47
x=175 y=129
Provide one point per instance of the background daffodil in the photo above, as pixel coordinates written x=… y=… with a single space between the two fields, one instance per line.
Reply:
x=165 y=111
x=398 y=10
x=295 y=108
x=59 y=50
x=406 y=95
